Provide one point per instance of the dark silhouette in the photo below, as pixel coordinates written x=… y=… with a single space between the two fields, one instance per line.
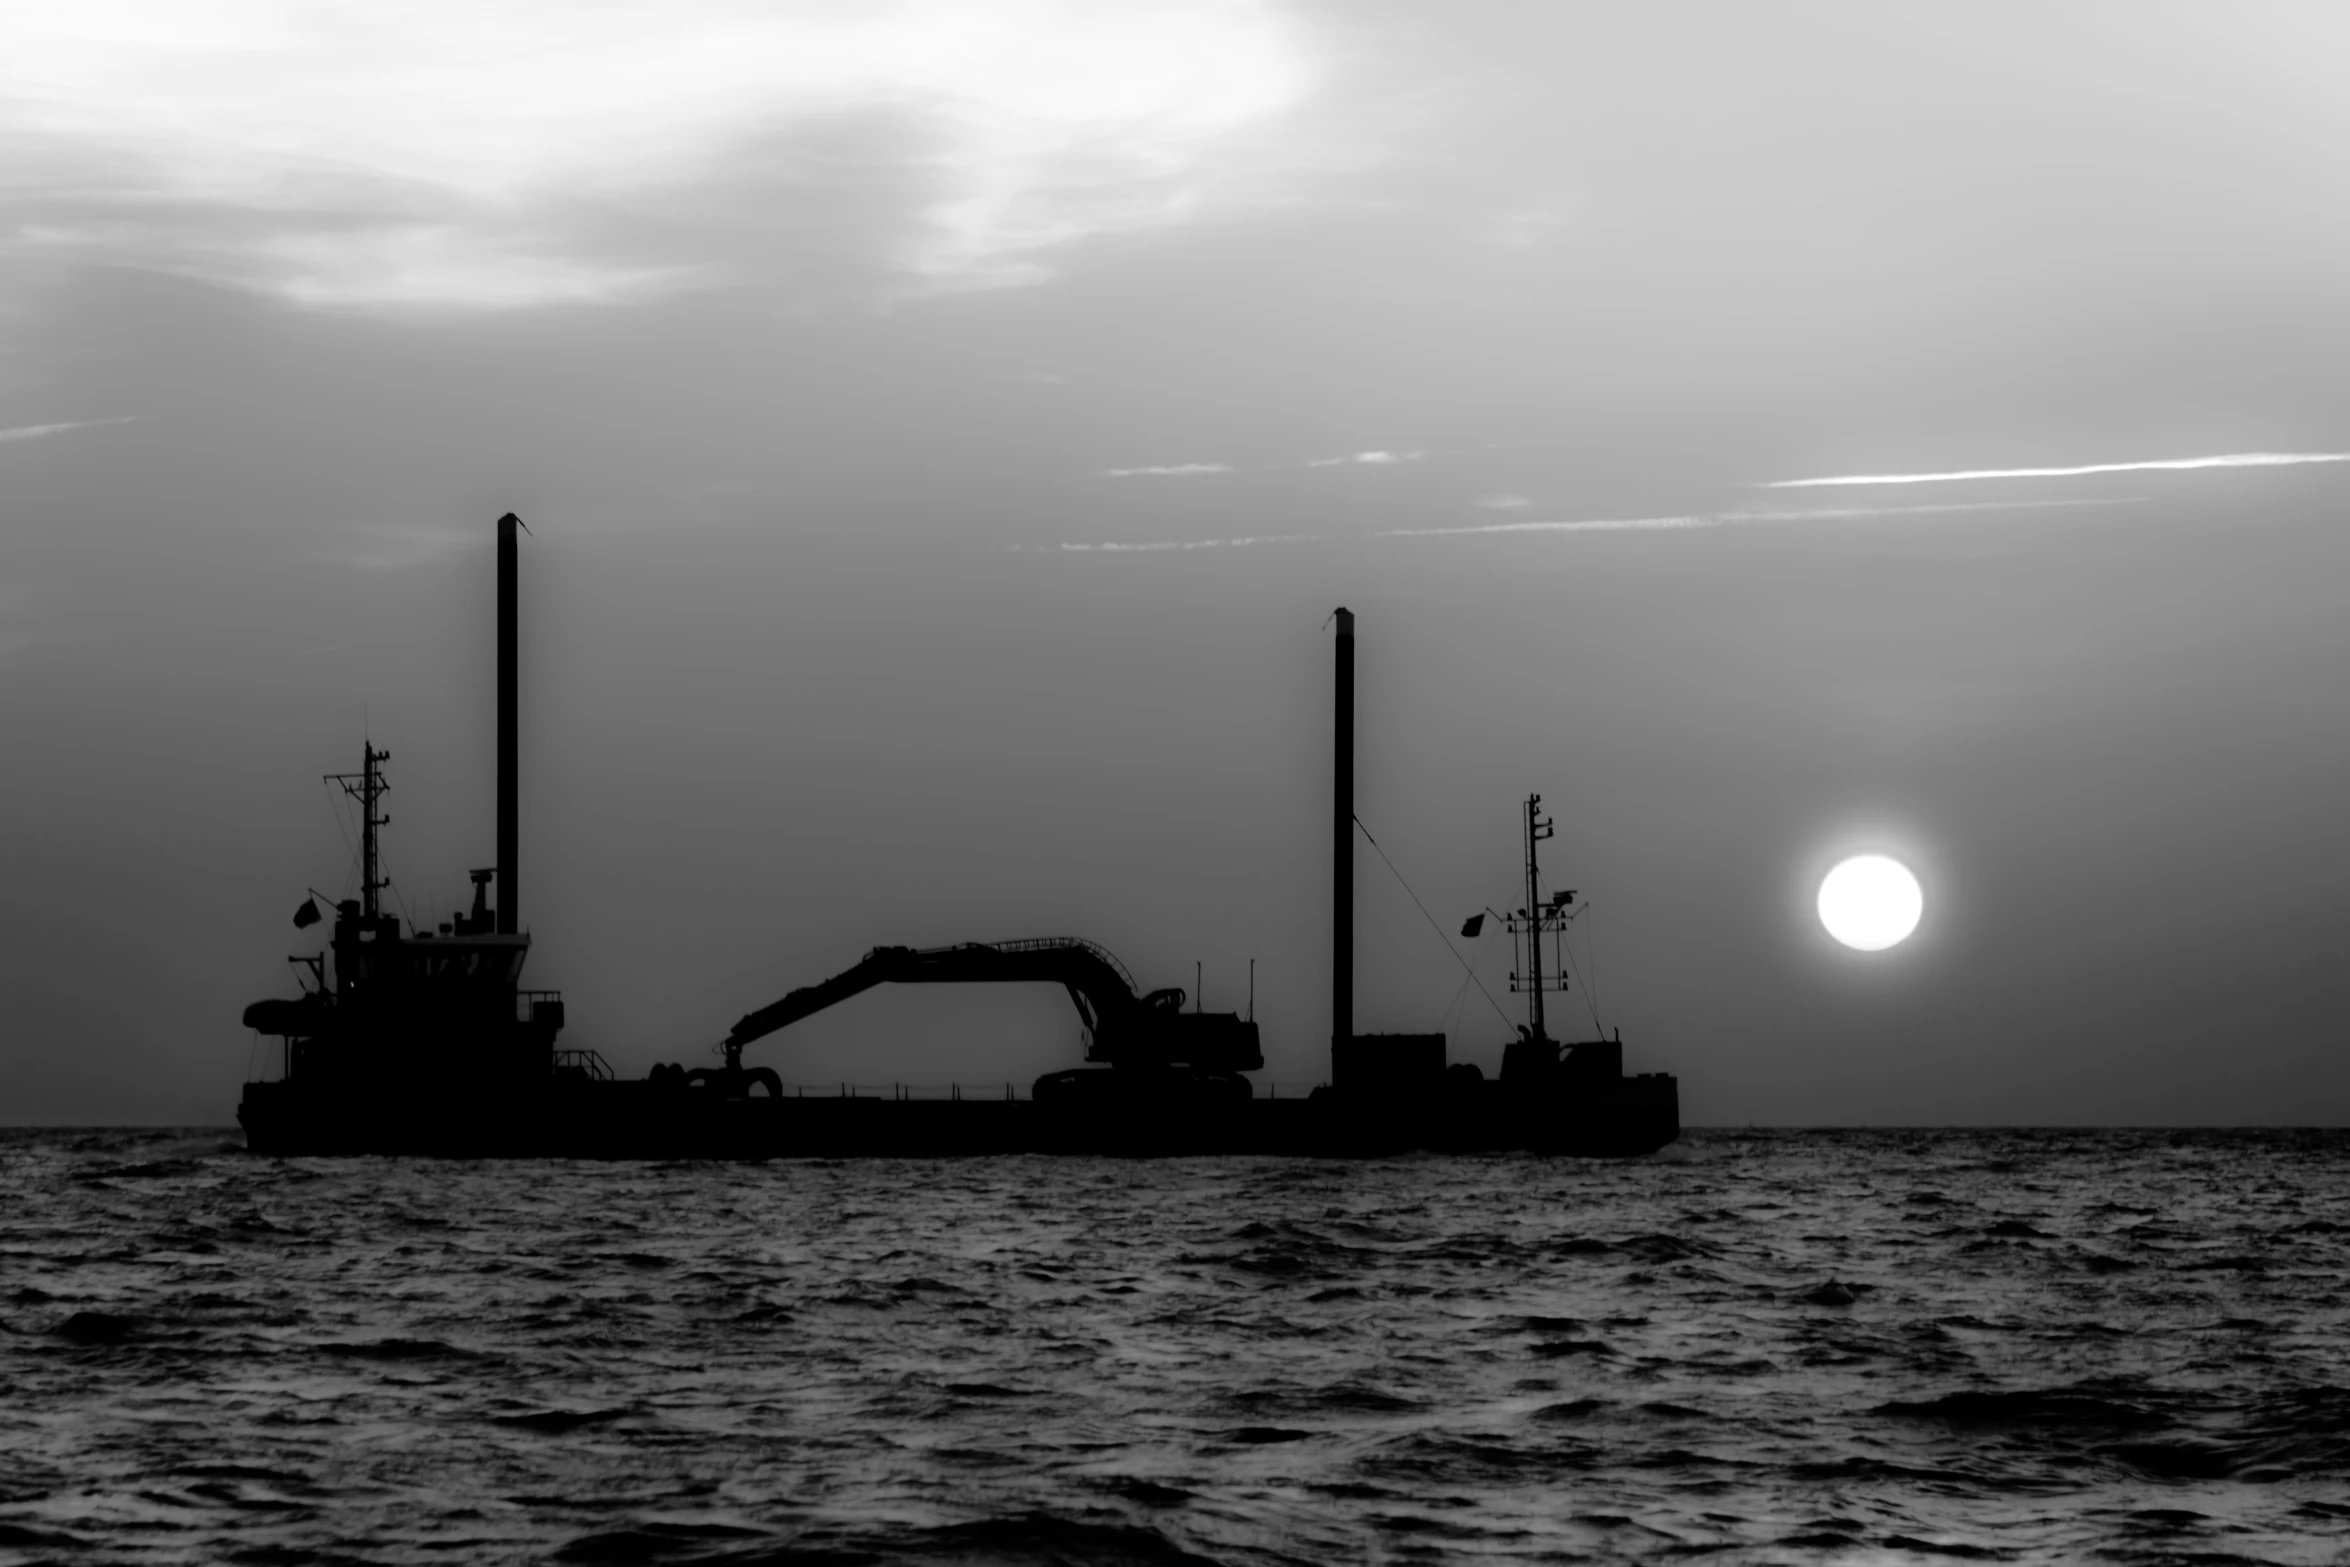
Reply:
x=1342 y=846
x=509 y=733
x=415 y=1024
x=1397 y=1088
x=1124 y=1030
x=425 y=1042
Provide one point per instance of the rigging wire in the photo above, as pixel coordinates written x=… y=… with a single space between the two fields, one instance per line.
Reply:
x=1431 y=919
x=343 y=830
x=392 y=885
x=350 y=847
x=1462 y=994
x=1591 y=963
x=1590 y=997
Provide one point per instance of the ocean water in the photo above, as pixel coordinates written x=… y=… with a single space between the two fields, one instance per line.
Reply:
x=2113 y=1346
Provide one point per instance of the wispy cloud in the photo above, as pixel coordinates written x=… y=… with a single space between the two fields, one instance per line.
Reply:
x=1831 y=513
x=399 y=546
x=1376 y=459
x=1371 y=459
x=1173 y=470
x=1503 y=502
x=38 y=432
x=1158 y=546
x=1579 y=525
x=1734 y=519
x=442 y=153
x=2231 y=460
x=1657 y=524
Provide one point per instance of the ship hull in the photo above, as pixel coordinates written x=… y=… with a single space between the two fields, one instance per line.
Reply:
x=644 y=1120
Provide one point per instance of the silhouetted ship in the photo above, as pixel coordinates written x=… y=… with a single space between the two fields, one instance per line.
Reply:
x=427 y=1042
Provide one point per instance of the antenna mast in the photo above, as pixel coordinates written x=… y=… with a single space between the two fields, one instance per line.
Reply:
x=1536 y=919
x=367 y=786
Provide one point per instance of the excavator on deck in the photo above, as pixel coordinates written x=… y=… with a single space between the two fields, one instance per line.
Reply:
x=1150 y=1045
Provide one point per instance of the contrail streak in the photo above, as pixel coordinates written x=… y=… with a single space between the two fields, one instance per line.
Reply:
x=2231 y=460
x=1721 y=519
x=35 y=432
x=1732 y=519
x=1798 y=514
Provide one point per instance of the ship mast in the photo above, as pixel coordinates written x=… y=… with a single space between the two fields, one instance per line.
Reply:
x=367 y=786
x=1537 y=829
x=1535 y=920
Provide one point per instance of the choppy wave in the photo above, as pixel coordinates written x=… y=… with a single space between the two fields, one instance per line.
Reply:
x=1766 y=1346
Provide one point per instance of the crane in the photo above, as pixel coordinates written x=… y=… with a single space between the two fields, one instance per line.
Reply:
x=1124 y=1029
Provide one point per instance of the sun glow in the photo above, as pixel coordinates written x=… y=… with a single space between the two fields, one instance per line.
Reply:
x=1871 y=902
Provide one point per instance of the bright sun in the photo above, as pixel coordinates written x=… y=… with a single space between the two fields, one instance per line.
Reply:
x=1870 y=902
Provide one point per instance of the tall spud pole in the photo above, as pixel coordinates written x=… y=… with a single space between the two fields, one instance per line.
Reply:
x=1342 y=851
x=509 y=726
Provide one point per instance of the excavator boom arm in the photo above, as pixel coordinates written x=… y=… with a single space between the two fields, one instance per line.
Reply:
x=1124 y=1026
x=812 y=999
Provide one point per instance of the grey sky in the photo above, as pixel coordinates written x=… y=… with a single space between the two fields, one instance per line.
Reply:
x=946 y=427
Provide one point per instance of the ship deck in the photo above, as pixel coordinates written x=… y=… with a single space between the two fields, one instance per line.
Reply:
x=645 y=1120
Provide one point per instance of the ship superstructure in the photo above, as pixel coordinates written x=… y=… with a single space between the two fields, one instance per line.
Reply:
x=393 y=1019
x=404 y=1006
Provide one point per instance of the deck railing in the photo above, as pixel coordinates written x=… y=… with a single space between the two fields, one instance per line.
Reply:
x=905 y=1093
x=1009 y=1093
